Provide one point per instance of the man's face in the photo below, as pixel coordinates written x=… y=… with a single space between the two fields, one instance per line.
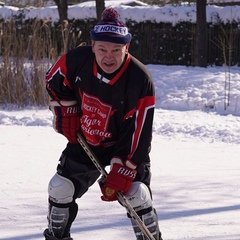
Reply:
x=109 y=56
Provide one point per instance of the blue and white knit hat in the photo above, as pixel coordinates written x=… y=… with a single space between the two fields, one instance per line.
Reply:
x=111 y=28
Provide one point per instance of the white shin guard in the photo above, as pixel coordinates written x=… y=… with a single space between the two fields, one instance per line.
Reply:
x=61 y=206
x=61 y=189
x=140 y=199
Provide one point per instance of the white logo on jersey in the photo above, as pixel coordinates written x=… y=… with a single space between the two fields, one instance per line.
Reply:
x=78 y=79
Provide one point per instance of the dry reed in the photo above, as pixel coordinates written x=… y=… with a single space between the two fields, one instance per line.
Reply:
x=26 y=53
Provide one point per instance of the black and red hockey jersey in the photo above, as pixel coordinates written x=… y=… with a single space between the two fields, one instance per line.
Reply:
x=116 y=113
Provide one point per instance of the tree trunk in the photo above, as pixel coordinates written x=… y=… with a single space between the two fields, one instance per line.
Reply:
x=201 y=35
x=100 y=6
x=62 y=9
x=62 y=6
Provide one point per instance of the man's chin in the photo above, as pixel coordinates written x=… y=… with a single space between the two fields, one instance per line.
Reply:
x=109 y=70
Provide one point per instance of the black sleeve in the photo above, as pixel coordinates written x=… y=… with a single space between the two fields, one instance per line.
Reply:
x=134 y=141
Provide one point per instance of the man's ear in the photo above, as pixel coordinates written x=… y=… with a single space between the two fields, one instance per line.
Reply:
x=127 y=47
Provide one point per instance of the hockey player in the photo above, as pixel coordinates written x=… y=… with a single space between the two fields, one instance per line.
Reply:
x=108 y=95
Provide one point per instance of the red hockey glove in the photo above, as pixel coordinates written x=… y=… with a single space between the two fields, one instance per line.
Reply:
x=119 y=179
x=66 y=119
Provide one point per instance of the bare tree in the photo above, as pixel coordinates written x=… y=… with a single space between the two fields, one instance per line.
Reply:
x=62 y=6
x=63 y=9
x=201 y=34
x=100 y=6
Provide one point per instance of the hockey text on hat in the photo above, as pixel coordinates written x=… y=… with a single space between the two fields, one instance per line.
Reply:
x=110 y=28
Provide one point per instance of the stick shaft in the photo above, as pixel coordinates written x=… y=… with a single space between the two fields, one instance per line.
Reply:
x=121 y=198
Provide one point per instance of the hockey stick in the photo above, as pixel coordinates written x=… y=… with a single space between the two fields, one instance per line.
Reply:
x=121 y=198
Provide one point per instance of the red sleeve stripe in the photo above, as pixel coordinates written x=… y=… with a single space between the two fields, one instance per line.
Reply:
x=144 y=105
x=59 y=66
x=53 y=72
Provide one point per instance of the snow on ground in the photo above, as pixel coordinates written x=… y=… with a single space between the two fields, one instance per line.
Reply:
x=195 y=164
x=195 y=152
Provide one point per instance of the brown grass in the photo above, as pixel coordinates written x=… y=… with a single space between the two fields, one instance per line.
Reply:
x=26 y=54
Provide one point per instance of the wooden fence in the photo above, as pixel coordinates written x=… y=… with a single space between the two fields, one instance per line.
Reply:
x=175 y=45
x=153 y=43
